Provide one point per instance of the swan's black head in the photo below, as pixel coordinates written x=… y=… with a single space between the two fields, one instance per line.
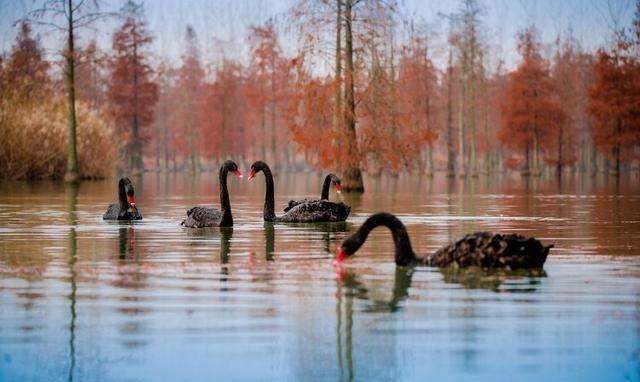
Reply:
x=336 y=181
x=231 y=167
x=348 y=248
x=256 y=167
x=404 y=254
x=126 y=193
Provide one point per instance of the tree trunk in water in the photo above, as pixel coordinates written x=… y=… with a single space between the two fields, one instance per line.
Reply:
x=337 y=116
x=616 y=149
x=136 y=145
x=559 y=165
x=263 y=122
x=463 y=170
x=352 y=181
x=157 y=155
x=165 y=146
x=593 y=159
x=472 y=105
x=451 y=157
x=536 y=154
x=71 y=174
x=276 y=163
x=430 y=161
x=526 y=170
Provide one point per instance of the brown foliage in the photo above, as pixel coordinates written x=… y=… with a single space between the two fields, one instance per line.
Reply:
x=33 y=121
x=530 y=111
x=132 y=92
x=614 y=102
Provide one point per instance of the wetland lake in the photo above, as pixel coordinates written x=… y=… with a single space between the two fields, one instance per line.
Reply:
x=88 y=300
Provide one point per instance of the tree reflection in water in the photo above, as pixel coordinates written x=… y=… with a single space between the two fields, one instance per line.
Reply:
x=326 y=229
x=71 y=191
x=349 y=287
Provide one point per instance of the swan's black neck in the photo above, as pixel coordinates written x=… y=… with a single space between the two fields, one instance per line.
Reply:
x=268 y=212
x=325 y=187
x=122 y=195
x=227 y=218
x=404 y=252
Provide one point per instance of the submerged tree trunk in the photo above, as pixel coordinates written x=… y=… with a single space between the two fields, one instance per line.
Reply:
x=337 y=116
x=593 y=158
x=276 y=164
x=136 y=145
x=352 y=181
x=72 y=175
x=560 y=159
x=526 y=170
x=263 y=123
x=461 y=126
x=472 y=105
x=165 y=147
x=451 y=153
x=616 y=149
x=536 y=155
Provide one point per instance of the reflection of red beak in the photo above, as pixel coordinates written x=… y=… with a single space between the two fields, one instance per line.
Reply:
x=237 y=173
x=252 y=174
x=338 y=188
x=131 y=200
x=341 y=273
x=340 y=257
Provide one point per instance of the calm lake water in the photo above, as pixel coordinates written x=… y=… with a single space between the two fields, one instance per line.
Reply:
x=86 y=300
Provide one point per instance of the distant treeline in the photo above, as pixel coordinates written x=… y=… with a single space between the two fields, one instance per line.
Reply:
x=384 y=108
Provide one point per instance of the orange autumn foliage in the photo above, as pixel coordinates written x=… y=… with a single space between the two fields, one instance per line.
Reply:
x=418 y=99
x=269 y=89
x=530 y=111
x=188 y=117
x=312 y=128
x=132 y=92
x=614 y=103
x=224 y=114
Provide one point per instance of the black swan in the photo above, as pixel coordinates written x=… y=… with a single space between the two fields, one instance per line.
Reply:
x=342 y=209
x=199 y=217
x=310 y=212
x=126 y=208
x=481 y=249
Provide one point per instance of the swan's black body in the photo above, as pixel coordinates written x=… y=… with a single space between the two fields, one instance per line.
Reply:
x=316 y=211
x=199 y=217
x=335 y=212
x=126 y=208
x=481 y=249
x=307 y=212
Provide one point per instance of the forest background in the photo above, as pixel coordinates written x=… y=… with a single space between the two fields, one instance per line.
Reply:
x=353 y=86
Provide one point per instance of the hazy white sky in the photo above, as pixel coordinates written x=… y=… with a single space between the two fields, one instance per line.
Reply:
x=221 y=25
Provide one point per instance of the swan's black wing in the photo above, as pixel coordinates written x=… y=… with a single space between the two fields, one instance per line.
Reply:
x=198 y=217
x=113 y=213
x=313 y=211
x=487 y=250
x=293 y=203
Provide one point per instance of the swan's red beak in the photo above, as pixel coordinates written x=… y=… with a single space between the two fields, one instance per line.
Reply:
x=131 y=200
x=252 y=174
x=237 y=173
x=340 y=257
x=338 y=188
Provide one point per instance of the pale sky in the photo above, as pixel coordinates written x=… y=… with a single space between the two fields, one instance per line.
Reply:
x=221 y=25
